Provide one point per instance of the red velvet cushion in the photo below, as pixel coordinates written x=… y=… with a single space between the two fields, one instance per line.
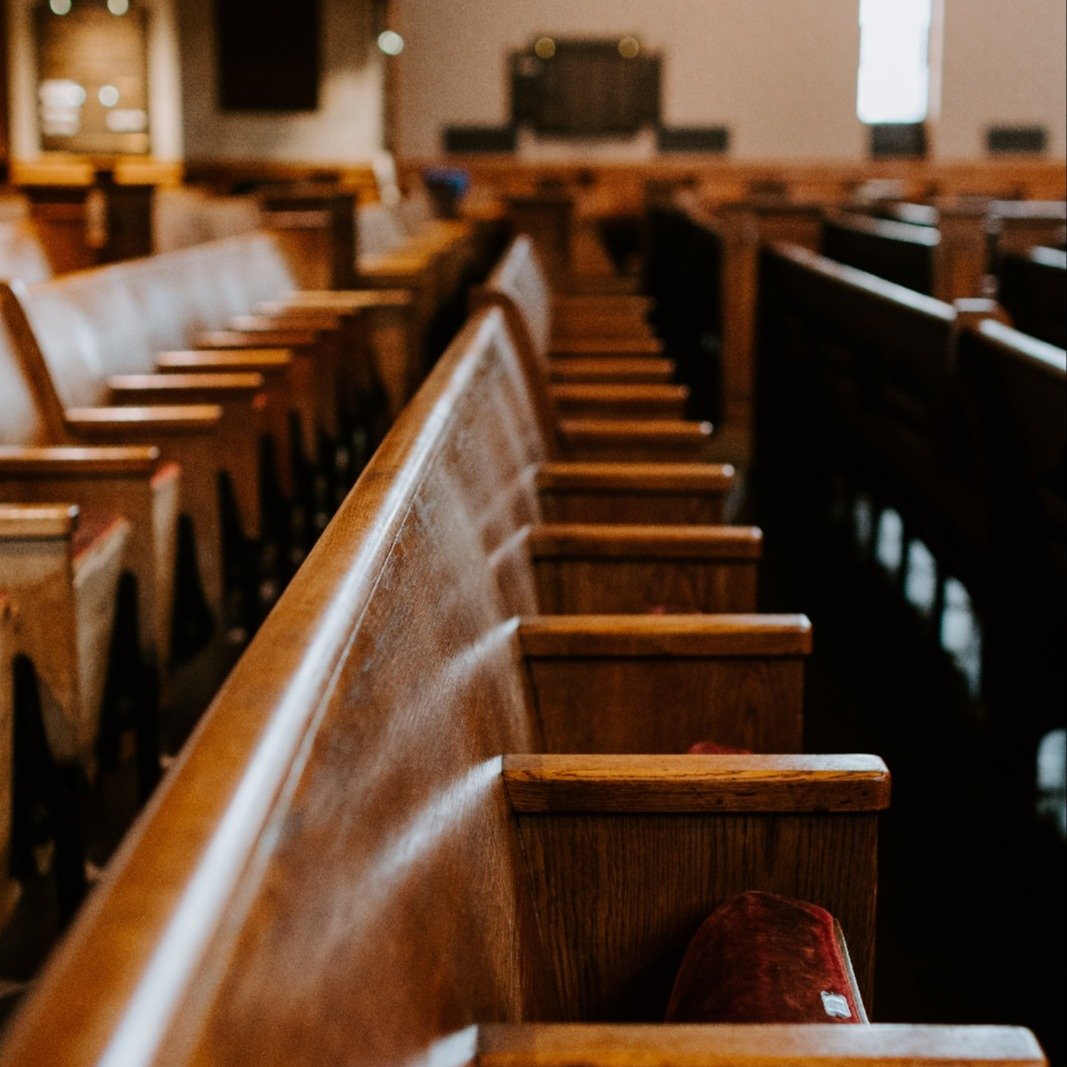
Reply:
x=712 y=748
x=761 y=958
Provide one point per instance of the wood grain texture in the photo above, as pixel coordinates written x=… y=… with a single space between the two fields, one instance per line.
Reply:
x=60 y=460
x=617 y=784
x=877 y=1045
x=623 y=894
x=600 y=683
x=611 y=370
x=297 y=891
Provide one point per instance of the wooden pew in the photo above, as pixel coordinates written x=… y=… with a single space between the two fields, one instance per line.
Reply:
x=1032 y=287
x=518 y=287
x=1016 y=388
x=37 y=465
x=64 y=570
x=896 y=251
x=860 y=384
x=56 y=346
x=407 y=889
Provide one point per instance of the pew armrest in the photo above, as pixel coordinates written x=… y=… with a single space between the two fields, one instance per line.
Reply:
x=44 y=463
x=640 y=400
x=636 y=477
x=609 y=347
x=268 y=362
x=184 y=388
x=282 y=332
x=349 y=300
x=604 y=369
x=596 y=541
x=139 y=421
x=620 y=784
x=664 y=683
x=603 y=637
x=245 y=339
x=37 y=522
x=725 y=1045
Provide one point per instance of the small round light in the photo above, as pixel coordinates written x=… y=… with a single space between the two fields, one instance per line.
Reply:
x=118 y=7
x=545 y=48
x=59 y=7
x=390 y=42
x=629 y=48
x=108 y=95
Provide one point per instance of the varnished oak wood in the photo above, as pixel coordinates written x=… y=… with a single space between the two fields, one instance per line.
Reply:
x=613 y=784
x=296 y=890
x=879 y=1045
x=666 y=636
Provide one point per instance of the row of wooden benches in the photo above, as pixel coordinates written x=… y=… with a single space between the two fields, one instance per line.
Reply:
x=120 y=402
x=951 y=418
x=443 y=811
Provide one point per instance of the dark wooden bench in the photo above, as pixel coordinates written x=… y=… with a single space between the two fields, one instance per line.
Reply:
x=22 y=255
x=1016 y=387
x=896 y=251
x=1032 y=287
x=490 y=874
x=599 y=377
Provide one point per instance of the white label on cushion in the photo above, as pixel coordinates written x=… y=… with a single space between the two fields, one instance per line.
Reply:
x=836 y=1006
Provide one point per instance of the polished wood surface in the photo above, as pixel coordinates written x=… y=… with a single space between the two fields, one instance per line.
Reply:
x=879 y=1045
x=424 y=881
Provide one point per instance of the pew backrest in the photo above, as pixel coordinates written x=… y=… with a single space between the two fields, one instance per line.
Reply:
x=1033 y=289
x=114 y=320
x=23 y=419
x=1019 y=390
x=900 y=252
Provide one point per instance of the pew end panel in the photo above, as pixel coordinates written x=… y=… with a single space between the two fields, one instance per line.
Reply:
x=67 y=581
x=636 y=440
x=131 y=482
x=659 y=685
x=627 y=855
x=600 y=570
x=754 y=1045
x=9 y=888
x=689 y=493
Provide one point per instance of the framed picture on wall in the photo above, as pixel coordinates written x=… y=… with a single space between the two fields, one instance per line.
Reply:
x=268 y=54
x=92 y=89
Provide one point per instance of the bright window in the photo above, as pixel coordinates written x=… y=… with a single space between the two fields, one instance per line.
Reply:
x=894 y=79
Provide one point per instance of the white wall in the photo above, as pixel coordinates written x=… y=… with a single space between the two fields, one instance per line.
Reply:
x=780 y=73
x=347 y=126
x=1005 y=63
x=164 y=83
